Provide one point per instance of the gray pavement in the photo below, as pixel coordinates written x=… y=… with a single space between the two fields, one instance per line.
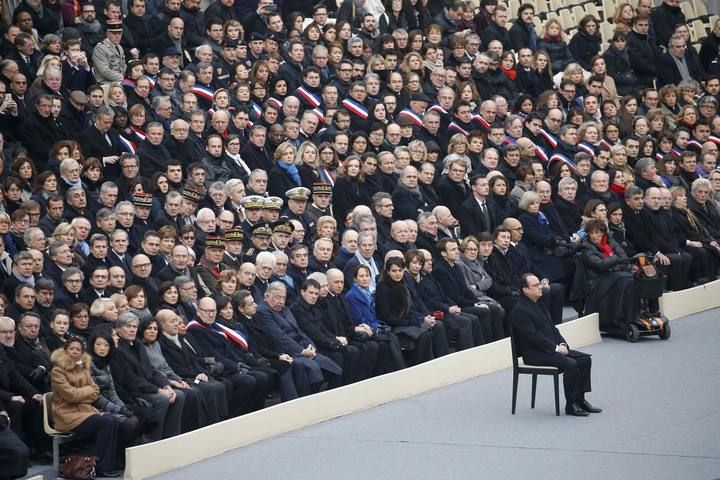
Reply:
x=660 y=421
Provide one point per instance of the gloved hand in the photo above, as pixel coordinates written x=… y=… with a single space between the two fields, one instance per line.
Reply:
x=39 y=372
x=243 y=368
x=4 y=421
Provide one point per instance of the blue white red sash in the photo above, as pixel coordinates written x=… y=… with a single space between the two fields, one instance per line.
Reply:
x=414 y=117
x=606 y=142
x=508 y=140
x=714 y=139
x=483 y=123
x=560 y=157
x=587 y=148
x=128 y=146
x=311 y=98
x=138 y=132
x=439 y=109
x=151 y=80
x=204 y=92
x=549 y=137
x=320 y=114
x=454 y=126
x=540 y=153
x=327 y=176
x=355 y=108
x=128 y=83
x=676 y=152
x=223 y=331
x=695 y=144
x=275 y=102
x=256 y=110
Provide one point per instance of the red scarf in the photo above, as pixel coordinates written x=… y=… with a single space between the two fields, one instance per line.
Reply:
x=605 y=247
x=552 y=38
x=511 y=74
x=619 y=189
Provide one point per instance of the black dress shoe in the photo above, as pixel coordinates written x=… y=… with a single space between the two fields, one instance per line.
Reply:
x=574 y=410
x=109 y=474
x=585 y=405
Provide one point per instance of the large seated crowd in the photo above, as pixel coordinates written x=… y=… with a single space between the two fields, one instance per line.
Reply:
x=203 y=210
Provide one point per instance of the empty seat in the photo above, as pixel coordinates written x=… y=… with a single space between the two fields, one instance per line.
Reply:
x=697 y=30
x=567 y=19
x=701 y=9
x=556 y=5
x=688 y=10
x=578 y=12
x=592 y=9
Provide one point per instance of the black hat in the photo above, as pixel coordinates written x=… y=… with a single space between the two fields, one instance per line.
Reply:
x=193 y=195
x=420 y=97
x=142 y=200
x=215 y=241
x=234 y=234
x=171 y=51
x=320 y=188
x=256 y=36
x=262 y=228
x=230 y=43
x=283 y=226
x=113 y=26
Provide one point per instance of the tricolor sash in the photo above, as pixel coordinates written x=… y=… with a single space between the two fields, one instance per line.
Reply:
x=439 y=109
x=138 y=132
x=587 y=148
x=275 y=102
x=483 y=123
x=310 y=97
x=414 y=117
x=455 y=126
x=225 y=332
x=355 y=108
x=549 y=137
x=560 y=157
x=204 y=92
x=320 y=114
x=540 y=153
x=127 y=145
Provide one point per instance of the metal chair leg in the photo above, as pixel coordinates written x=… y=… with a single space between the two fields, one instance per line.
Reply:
x=56 y=455
x=514 y=392
x=534 y=389
x=557 y=394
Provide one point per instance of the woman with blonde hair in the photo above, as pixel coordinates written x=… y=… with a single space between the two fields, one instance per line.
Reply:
x=623 y=17
x=307 y=161
x=458 y=144
x=284 y=175
x=553 y=41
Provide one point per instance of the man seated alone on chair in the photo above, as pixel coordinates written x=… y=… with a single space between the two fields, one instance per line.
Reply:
x=540 y=343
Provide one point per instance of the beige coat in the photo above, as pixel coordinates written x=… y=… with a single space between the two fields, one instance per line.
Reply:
x=73 y=391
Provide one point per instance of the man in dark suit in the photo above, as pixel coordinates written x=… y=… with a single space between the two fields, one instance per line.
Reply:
x=103 y=142
x=678 y=64
x=280 y=324
x=541 y=343
x=447 y=274
x=478 y=213
x=452 y=188
x=648 y=234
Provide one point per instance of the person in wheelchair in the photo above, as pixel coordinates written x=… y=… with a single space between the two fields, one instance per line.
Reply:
x=603 y=277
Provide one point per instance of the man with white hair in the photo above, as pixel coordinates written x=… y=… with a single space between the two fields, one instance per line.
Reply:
x=280 y=324
x=21 y=410
x=265 y=265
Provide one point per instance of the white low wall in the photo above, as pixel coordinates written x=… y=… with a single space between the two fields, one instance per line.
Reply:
x=675 y=305
x=166 y=455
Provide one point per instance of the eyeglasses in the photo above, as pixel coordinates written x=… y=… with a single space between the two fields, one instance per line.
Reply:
x=142 y=265
x=208 y=310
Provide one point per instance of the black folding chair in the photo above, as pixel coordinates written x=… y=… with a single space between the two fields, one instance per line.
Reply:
x=519 y=367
